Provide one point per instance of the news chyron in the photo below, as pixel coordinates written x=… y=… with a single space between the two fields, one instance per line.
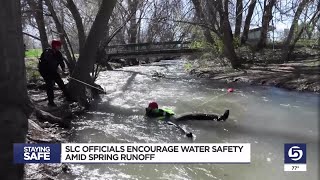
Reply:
x=142 y=153
x=295 y=157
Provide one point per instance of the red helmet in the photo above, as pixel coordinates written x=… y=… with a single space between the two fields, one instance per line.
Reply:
x=153 y=105
x=55 y=43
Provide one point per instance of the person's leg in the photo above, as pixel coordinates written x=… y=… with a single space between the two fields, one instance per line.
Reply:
x=48 y=79
x=224 y=116
x=61 y=85
x=50 y=93
x=204 y=117
x=197 y=117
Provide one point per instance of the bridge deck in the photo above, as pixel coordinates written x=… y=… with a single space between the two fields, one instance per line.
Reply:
x=154 y=48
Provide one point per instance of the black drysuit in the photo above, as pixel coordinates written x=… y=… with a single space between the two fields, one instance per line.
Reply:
x=49 y=61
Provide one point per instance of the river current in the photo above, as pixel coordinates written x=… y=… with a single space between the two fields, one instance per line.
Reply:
x=266 y=117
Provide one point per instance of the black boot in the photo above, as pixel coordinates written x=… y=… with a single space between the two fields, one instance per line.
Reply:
x=224 y=116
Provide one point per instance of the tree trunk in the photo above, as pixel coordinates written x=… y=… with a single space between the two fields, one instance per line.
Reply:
x=315 y=18
x=227 y=38
x=62 y=35
x=87 y=57
x=77 y=18
x=101 y=54
x=37 y=11
x=133 y=27
x=267 y=16
x=200 y=15
x=14 y=108
x=286 y=49
x=247 y=22
x=139 y=25
x=239 y=9
x=314 y=25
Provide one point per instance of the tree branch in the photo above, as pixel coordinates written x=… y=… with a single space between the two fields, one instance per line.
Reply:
x=34 y=37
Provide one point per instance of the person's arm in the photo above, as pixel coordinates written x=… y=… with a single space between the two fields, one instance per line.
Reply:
x=60 y=61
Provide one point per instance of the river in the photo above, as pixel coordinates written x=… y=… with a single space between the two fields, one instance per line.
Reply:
x=266 y=117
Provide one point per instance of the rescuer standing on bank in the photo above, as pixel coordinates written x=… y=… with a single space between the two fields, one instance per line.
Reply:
x=49 y=61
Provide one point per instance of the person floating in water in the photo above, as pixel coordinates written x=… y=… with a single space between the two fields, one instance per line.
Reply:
x=153 y=111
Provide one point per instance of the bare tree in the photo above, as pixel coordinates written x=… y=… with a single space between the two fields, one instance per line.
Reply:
x=291 y=41
x=14 y=108
x=200 y=15
x=294 y=25
x=248 y=21
x=63 y=36
x=87 y=57
x=37 y=11
x=267 y=16
x=77 y=17
x=227 y=35
x=118 y=23
x=239 y=10
x=133 y=27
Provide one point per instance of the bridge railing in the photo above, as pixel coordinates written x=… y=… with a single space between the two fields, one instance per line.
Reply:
x=131 y=47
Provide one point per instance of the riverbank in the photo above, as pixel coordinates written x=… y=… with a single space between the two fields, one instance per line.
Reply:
x=53 y=124
x=301 y=74
x=48 y=125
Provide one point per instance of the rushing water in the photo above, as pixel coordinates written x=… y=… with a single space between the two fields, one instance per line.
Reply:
x=263 y=116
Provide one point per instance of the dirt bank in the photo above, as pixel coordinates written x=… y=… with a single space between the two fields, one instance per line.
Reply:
x=48 y=125
x=301 y=73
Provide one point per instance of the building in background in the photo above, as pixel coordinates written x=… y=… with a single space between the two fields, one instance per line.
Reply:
x=254 y=35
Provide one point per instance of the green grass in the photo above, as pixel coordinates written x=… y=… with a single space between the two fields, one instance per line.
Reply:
x=187 y=66
x=32 y=69
x=33 y=53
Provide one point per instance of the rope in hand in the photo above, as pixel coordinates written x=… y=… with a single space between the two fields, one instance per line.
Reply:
x=87 y=84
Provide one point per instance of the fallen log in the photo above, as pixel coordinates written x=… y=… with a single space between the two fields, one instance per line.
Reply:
x=38 y=134
x=45 y=116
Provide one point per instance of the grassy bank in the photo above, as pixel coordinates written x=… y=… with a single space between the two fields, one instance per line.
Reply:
x=33 y=53
x=32 y=72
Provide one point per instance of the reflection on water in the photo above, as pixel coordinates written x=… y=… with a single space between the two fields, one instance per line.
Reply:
x=263 y=116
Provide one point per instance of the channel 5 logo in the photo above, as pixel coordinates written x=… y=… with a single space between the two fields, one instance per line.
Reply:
x=295 y=153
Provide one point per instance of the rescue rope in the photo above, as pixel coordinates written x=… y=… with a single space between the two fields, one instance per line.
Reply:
x=87 y=84
x=211 y=99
